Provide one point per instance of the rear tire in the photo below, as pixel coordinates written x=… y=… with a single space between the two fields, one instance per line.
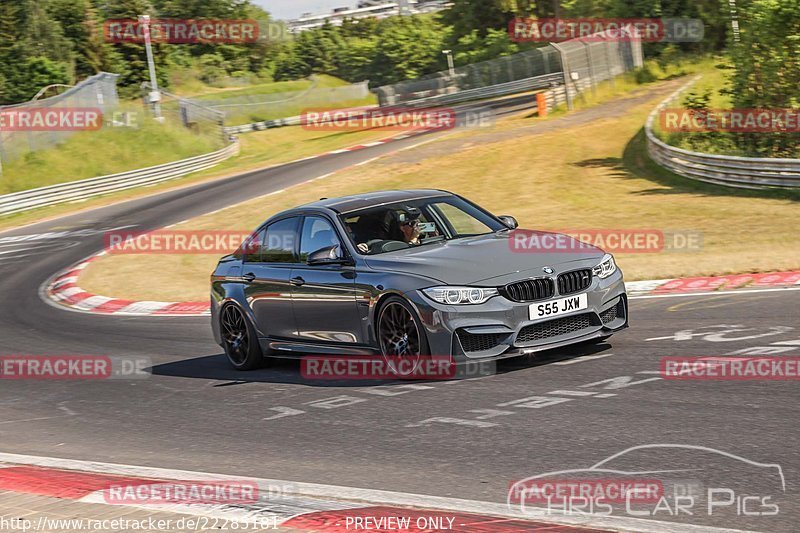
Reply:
x=239 y=339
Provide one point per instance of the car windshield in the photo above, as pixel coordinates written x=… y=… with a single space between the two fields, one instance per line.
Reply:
x=390 y=227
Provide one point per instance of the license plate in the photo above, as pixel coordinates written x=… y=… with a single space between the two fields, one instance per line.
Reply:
x=558 y=307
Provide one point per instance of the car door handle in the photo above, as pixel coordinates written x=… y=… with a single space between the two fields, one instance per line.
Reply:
x=249 y=277
x=297 y=281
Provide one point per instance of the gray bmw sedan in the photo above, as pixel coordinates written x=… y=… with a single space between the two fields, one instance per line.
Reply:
x=411 y=272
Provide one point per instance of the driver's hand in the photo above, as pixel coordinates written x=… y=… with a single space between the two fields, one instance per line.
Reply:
x=362 y=246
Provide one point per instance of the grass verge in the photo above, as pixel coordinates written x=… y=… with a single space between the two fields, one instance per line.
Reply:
x=259 y=150
x=105 y=151
x=591 y=174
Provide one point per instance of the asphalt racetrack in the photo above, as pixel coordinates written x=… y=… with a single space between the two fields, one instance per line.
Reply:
x=467 y=439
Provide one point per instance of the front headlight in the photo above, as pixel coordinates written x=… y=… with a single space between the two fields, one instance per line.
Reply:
x=459 y=295
x=606 y=267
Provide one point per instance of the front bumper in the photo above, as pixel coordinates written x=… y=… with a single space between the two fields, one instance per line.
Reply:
x=501 y=328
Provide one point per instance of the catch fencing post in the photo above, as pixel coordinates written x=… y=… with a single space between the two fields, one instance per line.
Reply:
x=592 y=79
x=612 y=77
x=565 y=71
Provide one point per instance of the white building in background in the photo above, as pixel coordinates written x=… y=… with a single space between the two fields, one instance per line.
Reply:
x=366 y=9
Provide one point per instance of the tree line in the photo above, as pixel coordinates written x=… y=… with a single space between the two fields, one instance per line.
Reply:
x=61 y=41
x=46 y=42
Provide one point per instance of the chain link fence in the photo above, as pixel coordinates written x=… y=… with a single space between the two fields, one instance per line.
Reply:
x=585 y=63
x=582 y=64
x=191 y=114
x=524 y=65
x=254 y=108
x=98 y=91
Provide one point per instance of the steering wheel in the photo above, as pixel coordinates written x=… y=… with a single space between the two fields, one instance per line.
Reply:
x=383 y=245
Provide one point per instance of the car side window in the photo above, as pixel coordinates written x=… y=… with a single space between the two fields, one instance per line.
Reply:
x=251 y=247
x=317 y=233
x=278 y=242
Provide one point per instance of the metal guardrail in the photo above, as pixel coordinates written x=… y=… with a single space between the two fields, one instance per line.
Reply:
x=263 y=125
x=482 y=93
x=727 y=170
x=83 y=189
x=492 y=91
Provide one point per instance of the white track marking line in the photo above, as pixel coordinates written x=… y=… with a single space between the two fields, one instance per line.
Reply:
x=20 y=250
x=712 y=293
x=371 y=496
x=28 y=420
x=26 y=242
x=583 y=359
x=367 y=161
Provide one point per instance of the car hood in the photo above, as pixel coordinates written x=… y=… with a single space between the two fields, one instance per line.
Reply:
x=485 y=259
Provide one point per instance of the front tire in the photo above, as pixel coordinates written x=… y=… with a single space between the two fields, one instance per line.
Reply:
x=239 y=339
x=399 y=329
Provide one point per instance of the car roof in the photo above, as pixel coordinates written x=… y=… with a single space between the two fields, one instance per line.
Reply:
x=345 y=204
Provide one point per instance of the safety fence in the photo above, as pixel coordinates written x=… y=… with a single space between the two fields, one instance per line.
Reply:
x=577 y=64
x=83 y=189
x=565 y=70
x=188 y=113
x=730 y=171
x=98 y=91
x=263 y=107
x=585 y=63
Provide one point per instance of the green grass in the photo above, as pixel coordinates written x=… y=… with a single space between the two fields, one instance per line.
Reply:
x=111 y=150
x=715 y=85
x=258 y=150
x=322 y=81
x=593 y=174
x=290 y=108
x=106 y=151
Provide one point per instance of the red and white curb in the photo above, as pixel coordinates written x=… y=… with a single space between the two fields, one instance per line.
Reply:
x=64 y=290
x=387 y=140
x=715 y=283
x=308 y=507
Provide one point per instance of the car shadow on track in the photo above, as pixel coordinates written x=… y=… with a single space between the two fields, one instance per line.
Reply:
x=288 y=371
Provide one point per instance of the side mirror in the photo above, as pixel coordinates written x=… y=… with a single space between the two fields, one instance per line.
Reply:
x=326 y=256
x=509 y=221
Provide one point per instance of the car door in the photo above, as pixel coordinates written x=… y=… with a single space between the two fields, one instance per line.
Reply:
x=266 y=270
x=324 y=296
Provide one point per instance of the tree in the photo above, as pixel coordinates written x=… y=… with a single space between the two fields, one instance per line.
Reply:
x=472 y=48
x=289 y=65
x=83 y=26
x=33 y=50
x=408 y=47
x=32 y=74
x=355 y=59
x=468 y=16
x=767 y=70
